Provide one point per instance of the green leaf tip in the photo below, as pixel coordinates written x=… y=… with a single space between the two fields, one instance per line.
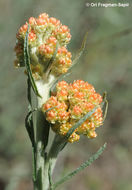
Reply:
x=74 y=62
x=105 y=102
x=82 y=167
x=27 y=63
x=80 y=51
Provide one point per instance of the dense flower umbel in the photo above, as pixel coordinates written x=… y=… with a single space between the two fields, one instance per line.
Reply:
x=46 y=35
x=70 y=103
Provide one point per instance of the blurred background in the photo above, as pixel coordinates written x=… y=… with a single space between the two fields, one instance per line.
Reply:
x=106 y=64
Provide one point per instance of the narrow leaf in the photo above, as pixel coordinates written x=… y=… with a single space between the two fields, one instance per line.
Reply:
x=78 y=55
x=29 y=127
x=50 y=109
x=50 y=175
x=82 y=167
x=43 y=127
x=57 y=80
x=28 y=65
x=106 y=109
x=69 y=133
x=34 y=163
x=105 y=102
x=29 y=95
x=49 y=65
x=80 y=52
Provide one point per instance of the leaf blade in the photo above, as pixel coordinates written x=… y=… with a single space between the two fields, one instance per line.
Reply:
x=69 y=133
x=49 y=65
x=80 y=52
x=74 y=62
x=82 y=166
x=27 y=63
x=29 y=127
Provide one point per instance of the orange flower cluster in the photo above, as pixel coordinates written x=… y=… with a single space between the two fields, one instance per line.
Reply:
x=70 y=103
x=46 y=36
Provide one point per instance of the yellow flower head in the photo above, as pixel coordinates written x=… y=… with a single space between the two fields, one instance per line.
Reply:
x=69 y=104
x=47 y=36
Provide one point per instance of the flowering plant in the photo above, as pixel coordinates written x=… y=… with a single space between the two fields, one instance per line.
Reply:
x=72 y=110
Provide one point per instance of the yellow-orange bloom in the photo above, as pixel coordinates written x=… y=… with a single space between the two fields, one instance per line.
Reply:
x=69 y=104
x=46 y=35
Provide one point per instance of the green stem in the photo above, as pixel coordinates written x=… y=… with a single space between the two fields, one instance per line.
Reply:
x=42 y=132
x=50 y=162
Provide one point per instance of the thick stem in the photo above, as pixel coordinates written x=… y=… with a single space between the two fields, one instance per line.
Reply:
x=39 y=151
x=42 y=134
x=44 y=163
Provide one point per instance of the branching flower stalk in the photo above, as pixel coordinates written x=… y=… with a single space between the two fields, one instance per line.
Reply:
x=72 y=110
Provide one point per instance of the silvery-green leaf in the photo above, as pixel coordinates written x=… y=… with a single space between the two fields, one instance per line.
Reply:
x=82 y=167
x=28 y=65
